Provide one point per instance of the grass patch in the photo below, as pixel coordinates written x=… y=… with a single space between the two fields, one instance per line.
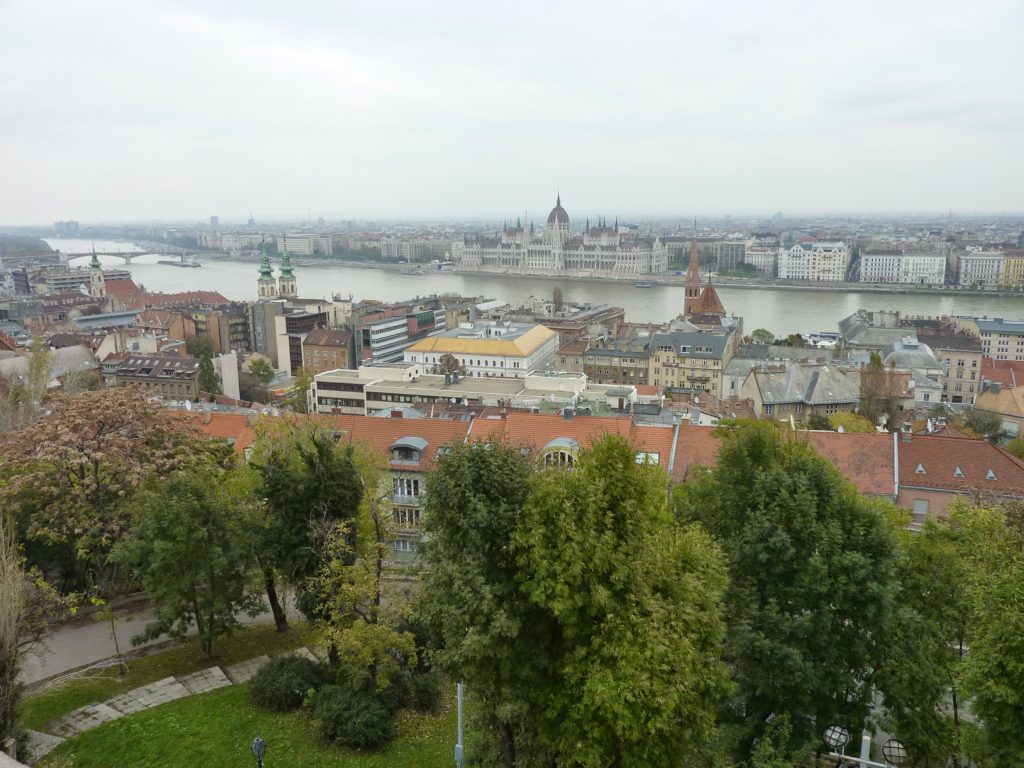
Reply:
x=246 y=643
x=216 y=729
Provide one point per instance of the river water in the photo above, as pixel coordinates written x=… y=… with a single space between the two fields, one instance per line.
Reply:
x=780 y=311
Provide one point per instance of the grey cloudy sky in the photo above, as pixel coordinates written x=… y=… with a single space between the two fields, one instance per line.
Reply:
x=139 y=109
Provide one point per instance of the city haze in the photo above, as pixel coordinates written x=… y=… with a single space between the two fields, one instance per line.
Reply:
x=144 y=110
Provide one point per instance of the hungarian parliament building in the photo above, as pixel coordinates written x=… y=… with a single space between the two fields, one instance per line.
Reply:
x=600 y=251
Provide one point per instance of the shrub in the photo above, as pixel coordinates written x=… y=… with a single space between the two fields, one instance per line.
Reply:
x=282 y=683
x=426 y=691
x=351 y=718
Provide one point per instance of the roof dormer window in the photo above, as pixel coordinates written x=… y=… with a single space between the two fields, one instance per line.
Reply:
x=990 y=475
x=407 y=450
x=920 y=470
x=958 y=472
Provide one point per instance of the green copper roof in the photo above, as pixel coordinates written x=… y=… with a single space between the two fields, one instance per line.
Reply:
x=95 y=263
x=286 y=262
x=266 y=273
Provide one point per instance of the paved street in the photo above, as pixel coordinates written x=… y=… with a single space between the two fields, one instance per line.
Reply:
x=85 y=642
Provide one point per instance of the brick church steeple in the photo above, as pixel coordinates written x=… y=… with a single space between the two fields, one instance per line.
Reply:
x=693 y=287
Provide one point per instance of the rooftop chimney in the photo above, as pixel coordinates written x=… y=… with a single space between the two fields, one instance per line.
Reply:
x=907 y=432
x=567 y=414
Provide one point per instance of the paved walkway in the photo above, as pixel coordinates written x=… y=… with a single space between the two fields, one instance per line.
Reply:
x=86 y=642
x=148 y=696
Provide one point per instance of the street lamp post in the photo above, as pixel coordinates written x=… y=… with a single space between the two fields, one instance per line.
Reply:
x=459 y=756
x=837 y=737
x=259 y=746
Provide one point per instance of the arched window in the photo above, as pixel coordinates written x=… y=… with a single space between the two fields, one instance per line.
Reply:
x=560 y=452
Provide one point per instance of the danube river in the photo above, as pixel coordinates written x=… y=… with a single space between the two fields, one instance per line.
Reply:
x=780 y=311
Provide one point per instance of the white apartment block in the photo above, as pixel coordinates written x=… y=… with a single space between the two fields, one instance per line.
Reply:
x=795 y=263
x=761 y=258
x=896 y=267
x=307 y=243
x=984 y=268
x=240 y=241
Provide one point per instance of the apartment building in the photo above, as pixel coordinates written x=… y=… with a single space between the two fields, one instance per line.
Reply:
x=798 y=390
x=764 y=259
x=169 y=377
x=980 y=268
x=897 y=267
x=829 y=262
x=692 y=361
x=326 y=349
x=794 y=263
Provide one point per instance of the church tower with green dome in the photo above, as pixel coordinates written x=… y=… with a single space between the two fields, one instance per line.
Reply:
x=97 y=282
x=267 y=284
x=286 y=287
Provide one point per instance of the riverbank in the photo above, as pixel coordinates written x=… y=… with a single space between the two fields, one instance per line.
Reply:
x=661 y=280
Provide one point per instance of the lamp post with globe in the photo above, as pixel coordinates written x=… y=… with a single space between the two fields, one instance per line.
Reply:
x=837 y=737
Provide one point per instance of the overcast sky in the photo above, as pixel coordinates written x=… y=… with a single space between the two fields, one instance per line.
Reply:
x=138 y=109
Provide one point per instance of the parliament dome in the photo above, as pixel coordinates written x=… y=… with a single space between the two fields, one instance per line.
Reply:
x=558 y=214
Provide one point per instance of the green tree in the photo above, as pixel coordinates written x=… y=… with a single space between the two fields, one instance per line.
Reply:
x=1016 y=447
x=812 y=582
x=919 y=673
x=993 y=674
x=852 y=422
x=191 y=553
x=448 y=363
x=200 y=346
x=307 y=481
x=361 y=615
x=637 y=601
x=819 y=421
x=260 y=368
x=72 y=472
x=297 y=399
x=40 y=371
x=557 y=302
x=209 y=381
x=986 y=424
x=27 y=602
x=762 y=336
x=488 y=635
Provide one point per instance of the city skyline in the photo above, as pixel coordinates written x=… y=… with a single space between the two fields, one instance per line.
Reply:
x=176 y=111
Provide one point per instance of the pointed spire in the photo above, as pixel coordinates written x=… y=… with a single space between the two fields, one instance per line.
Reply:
x=286 y=261
x=94 y=263
x=616 y=223
x=558 y=198
x=266 y=272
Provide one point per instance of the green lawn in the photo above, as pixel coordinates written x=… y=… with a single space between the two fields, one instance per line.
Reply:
x=215 y=730
x=246 y=643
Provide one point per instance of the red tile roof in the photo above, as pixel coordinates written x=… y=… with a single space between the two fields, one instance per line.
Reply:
x=940 y=457
x=534 y=431
x=866 y=460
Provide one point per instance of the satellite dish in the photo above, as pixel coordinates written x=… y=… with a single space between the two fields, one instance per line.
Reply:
x=188 y=405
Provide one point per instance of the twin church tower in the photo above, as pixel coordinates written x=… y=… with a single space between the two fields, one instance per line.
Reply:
x=282 y=288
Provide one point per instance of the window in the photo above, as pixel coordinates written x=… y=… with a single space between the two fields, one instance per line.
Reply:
x=559 y=459
x=920 y=470
x=768 y=409
x=402 y=545
x=958 y=472
x=407 y=518
x=990 y=475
